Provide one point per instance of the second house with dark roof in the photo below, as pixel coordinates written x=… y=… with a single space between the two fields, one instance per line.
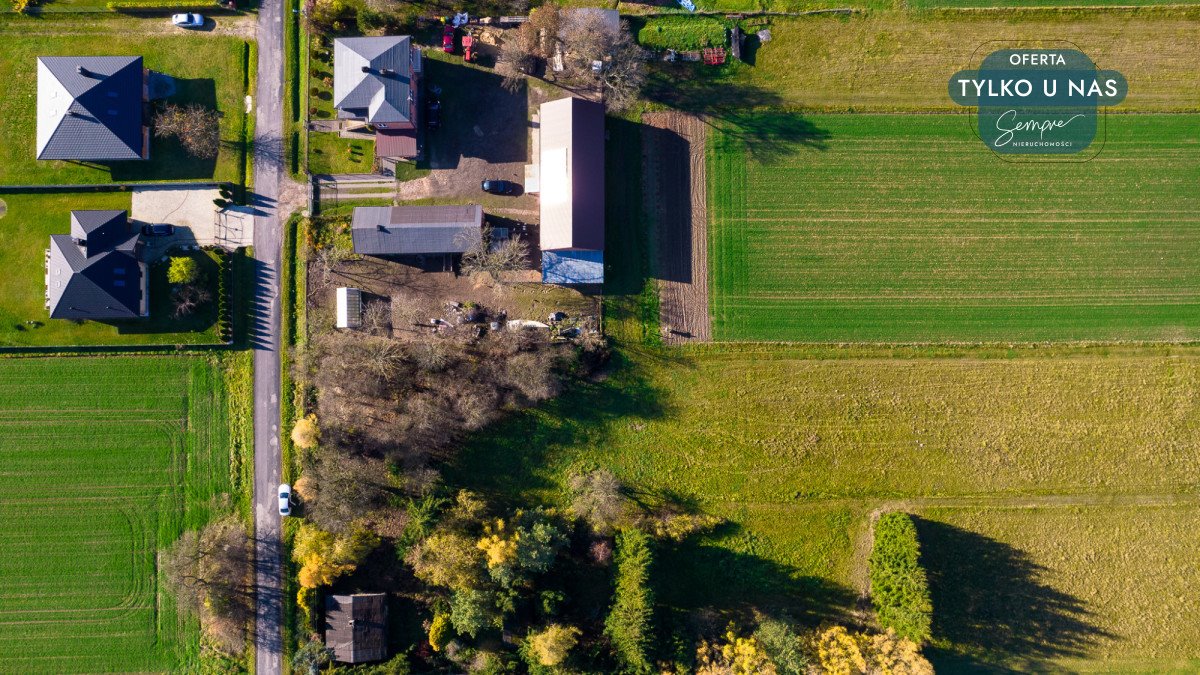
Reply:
x=97 y=272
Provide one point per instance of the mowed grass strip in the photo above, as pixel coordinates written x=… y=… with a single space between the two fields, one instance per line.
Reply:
x=207 y=69
x=105 y=461
x=901 y=61
x=795 y=446
x=905 y=228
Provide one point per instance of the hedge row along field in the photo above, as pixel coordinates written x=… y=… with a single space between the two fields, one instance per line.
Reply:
x=899 y=587
x=905 y=228
x=106 y=461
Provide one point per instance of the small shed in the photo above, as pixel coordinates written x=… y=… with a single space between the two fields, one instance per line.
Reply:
x=349 y=307
x=356 y=627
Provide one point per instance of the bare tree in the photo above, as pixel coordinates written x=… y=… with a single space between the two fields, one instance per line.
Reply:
x=377 y=317
x=197 y=128
x=209 y=574
x=327 y=259
x=597 y=498
x=493 y=258
x=188 y=298
x=595 y=49
x=347 y=488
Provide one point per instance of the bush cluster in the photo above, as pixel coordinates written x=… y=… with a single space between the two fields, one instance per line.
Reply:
x=899 y=588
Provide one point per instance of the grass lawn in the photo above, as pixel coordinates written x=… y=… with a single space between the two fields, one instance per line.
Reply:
x=107 y=461
x=28 y=224
x=797 y=445
x=208 y=69
x=901 y=61
x=890 y=228
x=680 y=32
x=330 y=153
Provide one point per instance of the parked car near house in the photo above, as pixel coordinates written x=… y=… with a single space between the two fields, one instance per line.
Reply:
x=499 y=187
x=448 y=39
x=158 y=230
x=187 y=20
x=433 y=113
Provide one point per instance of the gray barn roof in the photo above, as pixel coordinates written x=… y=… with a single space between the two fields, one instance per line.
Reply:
x=416 y=230
x=572 y=174
x=98 y=275
x=355 y=627
x=90 y=108
x=372 y=78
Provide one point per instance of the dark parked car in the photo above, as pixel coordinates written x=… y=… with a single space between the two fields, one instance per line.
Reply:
x=158 y=230
x=433 y=113
x=499 y=187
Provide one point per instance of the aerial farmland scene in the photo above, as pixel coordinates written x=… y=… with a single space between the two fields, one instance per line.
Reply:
x=548 y=337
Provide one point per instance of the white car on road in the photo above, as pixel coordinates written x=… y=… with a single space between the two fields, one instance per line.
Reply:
x=187 y=20
x=285 y=500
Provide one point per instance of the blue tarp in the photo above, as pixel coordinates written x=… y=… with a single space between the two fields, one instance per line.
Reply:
x=572 y=267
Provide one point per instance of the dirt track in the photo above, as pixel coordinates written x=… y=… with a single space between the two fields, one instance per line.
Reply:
x=674 y=179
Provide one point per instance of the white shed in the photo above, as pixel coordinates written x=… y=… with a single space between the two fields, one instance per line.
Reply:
x=349 y=307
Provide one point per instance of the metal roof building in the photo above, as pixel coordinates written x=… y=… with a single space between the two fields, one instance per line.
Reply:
x=96 y=272
x=416 y=230
x=355 y=627
x=571 y=188
x=374 y=79
x=91 y=108
x=349 y=308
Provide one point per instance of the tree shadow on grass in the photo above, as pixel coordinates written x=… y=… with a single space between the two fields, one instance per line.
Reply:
x=992 y=611
x=701 y=575
x=725 y=102
x=517 y=458
x=168 y=160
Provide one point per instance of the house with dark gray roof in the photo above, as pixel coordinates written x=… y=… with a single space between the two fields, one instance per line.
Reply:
x=97 y=272
x=570 y=187
x=376 y=80
x=356 y=627
x=416 y=230
x=92 y=108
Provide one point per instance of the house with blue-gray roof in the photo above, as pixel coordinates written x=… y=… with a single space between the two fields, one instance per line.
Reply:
x=92 y=108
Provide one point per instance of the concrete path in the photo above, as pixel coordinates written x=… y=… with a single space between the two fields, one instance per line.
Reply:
x=268 y=172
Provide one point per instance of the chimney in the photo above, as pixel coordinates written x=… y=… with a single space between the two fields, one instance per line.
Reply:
x=382 y=228
x=366 y=69
x=388 y=71
x=85 y=72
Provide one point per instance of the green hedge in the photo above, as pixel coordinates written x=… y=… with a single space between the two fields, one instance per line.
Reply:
x=899 y=587
x=682 y=32
x=160 y=5
x=630 y=621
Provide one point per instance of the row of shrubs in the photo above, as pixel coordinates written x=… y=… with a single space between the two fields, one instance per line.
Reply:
x=224 y=284
x=899 y=585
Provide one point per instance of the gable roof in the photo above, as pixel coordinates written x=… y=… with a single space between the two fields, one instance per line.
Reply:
x=571 y=171
x=372 y=78
x=97 y=275
x=90 y=107
x=416 y=230
x=355 y=627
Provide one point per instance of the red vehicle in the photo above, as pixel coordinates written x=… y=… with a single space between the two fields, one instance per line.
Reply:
x=448 y=39
x=468 y=43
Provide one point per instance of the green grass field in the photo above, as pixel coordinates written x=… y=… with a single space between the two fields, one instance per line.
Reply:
x=797 y=445
x=208 y=69
x=904 y=228
x=332 y=154
x=107 y=460
x=28 y=223
x=901 y=61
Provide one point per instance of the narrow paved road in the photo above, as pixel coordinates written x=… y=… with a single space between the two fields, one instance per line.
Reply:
x=268 y=159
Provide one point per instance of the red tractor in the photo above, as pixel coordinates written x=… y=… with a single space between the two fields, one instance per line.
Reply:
x=468 y=44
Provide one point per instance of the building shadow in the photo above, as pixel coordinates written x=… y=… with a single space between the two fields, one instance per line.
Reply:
x=992 y=611
x=168 y=160
x=480 y=118
x=669 y=195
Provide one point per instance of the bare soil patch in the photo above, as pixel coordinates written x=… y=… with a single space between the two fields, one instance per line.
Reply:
x=673 y=176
